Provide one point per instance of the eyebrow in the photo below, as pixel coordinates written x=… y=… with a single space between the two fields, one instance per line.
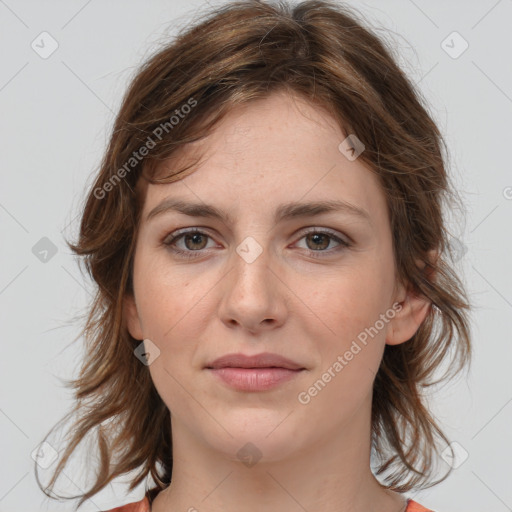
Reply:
x=285 y=211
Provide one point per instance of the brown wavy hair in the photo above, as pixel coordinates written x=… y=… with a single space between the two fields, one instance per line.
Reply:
x=234 y=54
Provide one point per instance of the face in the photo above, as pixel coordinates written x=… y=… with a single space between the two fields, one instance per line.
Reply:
x=312 y=284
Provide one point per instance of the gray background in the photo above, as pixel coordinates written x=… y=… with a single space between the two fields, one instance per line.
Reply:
x=56 y=113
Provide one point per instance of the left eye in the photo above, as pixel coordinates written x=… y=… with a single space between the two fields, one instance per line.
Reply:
x=319 y=240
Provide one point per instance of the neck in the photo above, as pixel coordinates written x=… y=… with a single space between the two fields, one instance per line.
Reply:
x=331 y=475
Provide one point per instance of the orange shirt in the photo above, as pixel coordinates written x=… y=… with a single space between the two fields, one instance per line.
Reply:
x=143 y=506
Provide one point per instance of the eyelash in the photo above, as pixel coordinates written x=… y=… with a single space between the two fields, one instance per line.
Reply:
x=190 y=254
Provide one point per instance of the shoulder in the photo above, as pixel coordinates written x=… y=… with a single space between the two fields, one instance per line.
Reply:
x=137 y=506
x=143 y=506
x=412 y=506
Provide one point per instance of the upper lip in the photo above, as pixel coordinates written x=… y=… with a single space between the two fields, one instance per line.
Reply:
x=264 y=360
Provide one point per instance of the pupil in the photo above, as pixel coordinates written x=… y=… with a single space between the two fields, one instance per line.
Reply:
x=195 y=237
x=315 y=238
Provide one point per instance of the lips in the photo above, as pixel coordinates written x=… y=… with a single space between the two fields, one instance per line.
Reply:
x=262 y=372
x=264 y=360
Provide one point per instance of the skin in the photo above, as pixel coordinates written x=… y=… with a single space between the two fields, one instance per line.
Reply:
x=315 y=456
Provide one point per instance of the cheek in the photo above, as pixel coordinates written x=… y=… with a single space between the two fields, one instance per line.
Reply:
x=350 y=316
x=350 y=300
x=173 y=310
x=351 y=348
x=164 y=296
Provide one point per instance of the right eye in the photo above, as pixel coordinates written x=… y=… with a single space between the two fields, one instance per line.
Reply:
x=193 y=241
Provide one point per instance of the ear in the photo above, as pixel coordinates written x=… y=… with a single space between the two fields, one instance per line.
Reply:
x=131 y=316
x=411 y=314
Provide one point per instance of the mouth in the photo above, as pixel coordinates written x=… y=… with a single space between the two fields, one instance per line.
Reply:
x=254 y=373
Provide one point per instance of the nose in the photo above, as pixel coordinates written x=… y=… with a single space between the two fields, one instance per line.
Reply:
x=254 y=294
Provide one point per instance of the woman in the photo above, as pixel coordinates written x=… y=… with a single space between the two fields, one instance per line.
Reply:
x=274 y=293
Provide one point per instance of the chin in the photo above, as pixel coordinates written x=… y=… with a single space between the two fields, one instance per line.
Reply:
x=255 y=434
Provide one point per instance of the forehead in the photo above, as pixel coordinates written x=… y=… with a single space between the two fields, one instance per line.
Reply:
x=270 y=151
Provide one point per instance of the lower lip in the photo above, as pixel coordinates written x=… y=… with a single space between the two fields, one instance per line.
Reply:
x=254 y=379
